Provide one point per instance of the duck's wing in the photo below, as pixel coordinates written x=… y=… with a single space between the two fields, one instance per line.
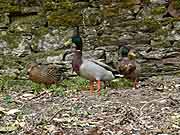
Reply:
x=56 y=72
x=93 y=71
x=123 y=64
x=131 y=66
x=105 y=66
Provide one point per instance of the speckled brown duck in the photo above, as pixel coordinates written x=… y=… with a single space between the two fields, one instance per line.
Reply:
x=90 y=69
x=44 y=73
x=127 y=65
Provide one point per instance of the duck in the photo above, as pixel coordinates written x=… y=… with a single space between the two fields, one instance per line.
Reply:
x=46 y=74
x=90 y=69
x=127 y=65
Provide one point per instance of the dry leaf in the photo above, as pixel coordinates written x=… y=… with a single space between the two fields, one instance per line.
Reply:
x=12 y=111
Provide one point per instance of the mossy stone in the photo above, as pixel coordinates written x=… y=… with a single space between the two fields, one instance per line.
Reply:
x=151 y=24
x=177 y=4
x=110 y=11
x=63 y=18
x=158 y=10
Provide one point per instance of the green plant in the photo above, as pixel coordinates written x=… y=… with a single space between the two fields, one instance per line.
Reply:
x=76 y=83
x=7 y=99
x=58 y=90
x=103 y=92
x=36 y=88
x=121 y=83
x=3 y=84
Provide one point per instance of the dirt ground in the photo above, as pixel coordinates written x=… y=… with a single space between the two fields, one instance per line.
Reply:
x=153 y=109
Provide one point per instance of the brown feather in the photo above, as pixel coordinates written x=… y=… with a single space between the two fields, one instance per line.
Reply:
x=128 y=67
x=45 y=74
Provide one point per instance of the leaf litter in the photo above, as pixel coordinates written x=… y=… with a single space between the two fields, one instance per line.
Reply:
x=153 y=109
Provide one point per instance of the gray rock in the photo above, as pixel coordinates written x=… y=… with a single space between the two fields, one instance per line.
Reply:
x=10 y=72
x=157 y=54
x=23 y=49
x=92 y=16
x=50 y=42
x=4 y=20
x=54 y=59
x=159 y=1
x=3 y=45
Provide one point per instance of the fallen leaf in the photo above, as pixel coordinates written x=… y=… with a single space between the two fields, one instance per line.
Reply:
x=12 y=111
x=9 y=128
x=50 y=128
x=2 y=110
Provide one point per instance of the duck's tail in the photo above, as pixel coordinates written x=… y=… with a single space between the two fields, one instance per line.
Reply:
x=117 y=74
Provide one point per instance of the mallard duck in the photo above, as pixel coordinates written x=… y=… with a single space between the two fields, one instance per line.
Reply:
x=127 y=65
x=90 y=69
x=44 y=73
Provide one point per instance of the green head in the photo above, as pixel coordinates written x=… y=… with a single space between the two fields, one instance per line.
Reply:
x=124 y=50
x=127 y=52
x=76 y=39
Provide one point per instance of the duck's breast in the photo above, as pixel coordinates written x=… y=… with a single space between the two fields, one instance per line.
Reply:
x=93 y=71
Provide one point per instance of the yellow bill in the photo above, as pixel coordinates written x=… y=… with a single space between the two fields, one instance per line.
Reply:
x=68 y=42
x=131 y=55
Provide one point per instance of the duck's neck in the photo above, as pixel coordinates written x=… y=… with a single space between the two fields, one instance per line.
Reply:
x=124 y=51
x=124 y=55
x=79 y=46
x=77 y=61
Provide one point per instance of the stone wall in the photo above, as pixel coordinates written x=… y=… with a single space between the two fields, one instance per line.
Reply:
x=35 y=30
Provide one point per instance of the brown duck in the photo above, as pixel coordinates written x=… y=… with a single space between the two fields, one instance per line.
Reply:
x=127 y=65
x=44 y=73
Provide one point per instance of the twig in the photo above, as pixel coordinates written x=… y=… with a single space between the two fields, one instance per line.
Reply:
x=155 y=100
x=50 y=119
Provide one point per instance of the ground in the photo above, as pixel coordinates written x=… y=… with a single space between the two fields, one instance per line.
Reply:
x=153 y=109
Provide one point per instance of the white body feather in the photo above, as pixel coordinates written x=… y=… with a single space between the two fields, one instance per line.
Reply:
x=93 y=71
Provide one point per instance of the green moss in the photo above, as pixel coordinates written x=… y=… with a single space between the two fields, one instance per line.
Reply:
x=151 y=24
x=7 y=6
x=128 y=3
x=109 y=12
x=146 y=1
x=8 y=61
x=21 y=25
x=27 y=23
x=169 y=68
x=76 y=84
x=158 y=10
x=63 y=18
x=177 y=4
x=121 y=83
x=12 y=39
x=169 y=20
x=146 y=68
x=161 y=44
x=161 y=32
x=10 y=84
x=67 y=4
x=41 y=55
x=50 y=5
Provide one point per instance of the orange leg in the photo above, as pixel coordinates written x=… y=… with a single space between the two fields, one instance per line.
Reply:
x=135 y=84
x=99 y=87
x=91 y=87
